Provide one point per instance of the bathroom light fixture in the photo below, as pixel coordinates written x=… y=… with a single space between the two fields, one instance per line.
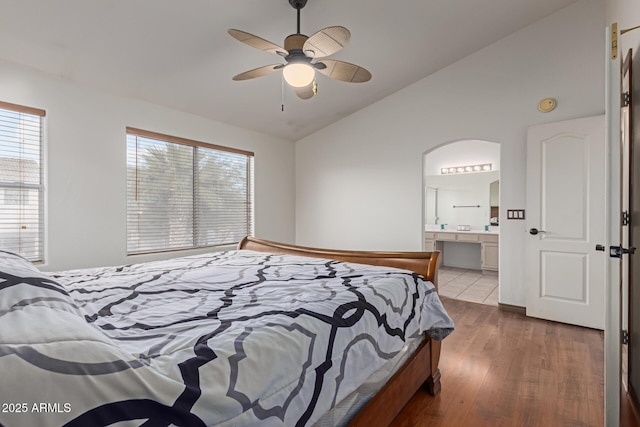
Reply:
x=484 y=167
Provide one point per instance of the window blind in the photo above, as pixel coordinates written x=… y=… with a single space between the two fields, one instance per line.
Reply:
x=184 y=194
x=22 y=181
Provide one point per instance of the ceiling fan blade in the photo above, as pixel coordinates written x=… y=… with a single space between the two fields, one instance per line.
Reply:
x=344 y=71
x=326 y=42
x=257 y=42
x=258 y=72
x=308 y=91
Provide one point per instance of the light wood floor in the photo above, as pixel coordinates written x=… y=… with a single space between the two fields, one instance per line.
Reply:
x=504 y=369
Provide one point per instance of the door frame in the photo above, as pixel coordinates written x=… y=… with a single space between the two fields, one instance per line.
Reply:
x=626 y=196
x=613 y=296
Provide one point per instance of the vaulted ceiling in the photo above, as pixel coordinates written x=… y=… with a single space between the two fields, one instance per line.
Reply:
x=178 y=53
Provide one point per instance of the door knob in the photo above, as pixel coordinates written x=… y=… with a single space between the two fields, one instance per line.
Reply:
x=534 y=231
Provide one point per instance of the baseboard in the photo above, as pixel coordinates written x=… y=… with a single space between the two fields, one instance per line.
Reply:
x=513 y=308
x=462 y=266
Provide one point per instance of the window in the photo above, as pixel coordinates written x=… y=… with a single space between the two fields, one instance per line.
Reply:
x=22 y=181
x=185 y=194
x=15 y=196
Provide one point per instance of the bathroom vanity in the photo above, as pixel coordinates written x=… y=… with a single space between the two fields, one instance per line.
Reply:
x=486 y=242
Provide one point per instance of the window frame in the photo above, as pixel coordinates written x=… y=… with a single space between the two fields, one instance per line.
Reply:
x=136 y=132
x=40 y=249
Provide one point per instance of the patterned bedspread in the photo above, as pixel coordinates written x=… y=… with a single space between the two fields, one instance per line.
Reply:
x=229 y=338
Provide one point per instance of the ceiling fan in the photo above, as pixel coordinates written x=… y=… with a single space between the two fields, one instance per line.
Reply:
x=304 y=55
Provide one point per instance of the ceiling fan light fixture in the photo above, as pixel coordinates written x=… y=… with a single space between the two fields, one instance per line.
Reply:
x=298 y=74
x=302 y=53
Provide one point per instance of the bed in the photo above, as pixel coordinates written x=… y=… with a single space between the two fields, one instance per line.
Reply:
x=268 y=334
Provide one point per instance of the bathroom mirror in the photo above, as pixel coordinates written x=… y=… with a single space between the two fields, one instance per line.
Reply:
x=494 y=203
x=466 y=198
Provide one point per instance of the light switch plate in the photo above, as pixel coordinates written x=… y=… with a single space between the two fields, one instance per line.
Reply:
x=515 y=213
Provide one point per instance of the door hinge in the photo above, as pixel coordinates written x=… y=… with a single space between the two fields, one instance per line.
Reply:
x=624 y=337
x=625 y=99
x=626 y=218
x=614 y=40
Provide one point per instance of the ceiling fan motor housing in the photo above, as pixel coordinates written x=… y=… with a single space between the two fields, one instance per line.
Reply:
x=294 y=42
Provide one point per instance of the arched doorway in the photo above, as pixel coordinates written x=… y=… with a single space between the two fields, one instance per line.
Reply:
x=461 y=204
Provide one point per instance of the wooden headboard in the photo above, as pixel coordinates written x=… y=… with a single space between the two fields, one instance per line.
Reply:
x=423 y=263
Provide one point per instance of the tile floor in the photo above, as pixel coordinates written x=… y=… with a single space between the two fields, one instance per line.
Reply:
x=468 y=285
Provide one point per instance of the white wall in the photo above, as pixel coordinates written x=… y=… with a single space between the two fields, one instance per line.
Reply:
x=627 y=14
x=86 y=166
x=358 y=182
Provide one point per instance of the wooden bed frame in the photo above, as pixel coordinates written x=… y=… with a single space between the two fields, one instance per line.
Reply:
x=421 y=369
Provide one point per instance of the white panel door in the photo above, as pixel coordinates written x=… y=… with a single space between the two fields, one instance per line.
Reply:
x=565 y=221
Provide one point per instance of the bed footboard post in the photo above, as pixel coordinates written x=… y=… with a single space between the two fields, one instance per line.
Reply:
x=432 y=384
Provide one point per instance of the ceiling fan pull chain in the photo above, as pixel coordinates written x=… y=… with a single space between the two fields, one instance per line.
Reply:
x=282 y=91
